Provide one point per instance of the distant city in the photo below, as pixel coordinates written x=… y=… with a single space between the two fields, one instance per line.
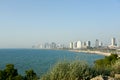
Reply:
x=78 y=45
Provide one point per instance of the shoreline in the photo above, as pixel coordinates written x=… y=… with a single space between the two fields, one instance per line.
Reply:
x=92 y=52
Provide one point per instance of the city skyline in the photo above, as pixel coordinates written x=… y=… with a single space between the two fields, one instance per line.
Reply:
x=25 y=23
x=98 y=44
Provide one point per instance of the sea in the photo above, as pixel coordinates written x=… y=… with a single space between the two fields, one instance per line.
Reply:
x=41 y=61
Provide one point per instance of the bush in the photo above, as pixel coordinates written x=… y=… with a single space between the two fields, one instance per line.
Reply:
x=103 y=66
x=107 y=61
x=30 y=75
x=75 y=70
x=116 y=67
x=10 y=73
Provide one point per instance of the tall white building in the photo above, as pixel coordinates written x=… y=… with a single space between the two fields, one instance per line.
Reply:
x=74 y=45
x=113 y=42
x=88 y=44
x=79 y=44
x=100 y=44
x=84 y=45
x=96 y=43
x=71 y=45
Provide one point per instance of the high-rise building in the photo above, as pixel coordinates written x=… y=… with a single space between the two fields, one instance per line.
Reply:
x=74 y=45
x=88 y=44
x=47 y=46
x=53 y=45
x=100 y=44
x=113 y=42
x=79 y=44
x=96 y=43
x=84 y=45
x=71 y=45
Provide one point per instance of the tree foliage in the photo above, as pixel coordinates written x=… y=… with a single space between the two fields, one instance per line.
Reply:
x=107 y=61
x=30 y=75
x=10 y=73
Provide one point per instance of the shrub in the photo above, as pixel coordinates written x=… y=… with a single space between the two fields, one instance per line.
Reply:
x=103 y=66
x=75 y=70
x=30 y=75
x=107 y=61
x=116 y=67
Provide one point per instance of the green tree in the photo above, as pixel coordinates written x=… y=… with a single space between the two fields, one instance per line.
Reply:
x=10 y=72
x=19 y=77
x=30 y=75
x=2 y=77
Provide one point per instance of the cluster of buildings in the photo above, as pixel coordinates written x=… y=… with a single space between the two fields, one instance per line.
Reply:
x=78 y=45
x=52 y=45
x=87 y=45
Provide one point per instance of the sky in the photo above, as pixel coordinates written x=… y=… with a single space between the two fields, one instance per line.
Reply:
x=24 y=23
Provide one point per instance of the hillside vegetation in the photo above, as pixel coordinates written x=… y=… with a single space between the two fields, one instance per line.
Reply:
x=77 y=70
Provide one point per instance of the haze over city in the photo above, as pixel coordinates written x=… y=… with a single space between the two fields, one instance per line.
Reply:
x=24 y=23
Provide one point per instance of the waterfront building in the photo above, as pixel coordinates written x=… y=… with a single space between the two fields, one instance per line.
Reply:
x=97 y=43
x=40 y=46
x=74 y=45
x=79 y=44
x=100 y=44
x=47 y=46
x=58 y=46
x=113 y=42
x=71 y=45
x=53 y=45
x=88 y=44
x=84 y=45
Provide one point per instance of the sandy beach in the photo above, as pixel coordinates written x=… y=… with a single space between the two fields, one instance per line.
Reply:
x=92 y=52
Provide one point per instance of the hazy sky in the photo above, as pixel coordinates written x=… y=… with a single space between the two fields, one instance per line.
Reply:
x=27 y=22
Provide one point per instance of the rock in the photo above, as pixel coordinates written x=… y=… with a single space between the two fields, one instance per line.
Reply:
x=117 y=76
x=110 y=78
x=97 y=78
x=102 y=78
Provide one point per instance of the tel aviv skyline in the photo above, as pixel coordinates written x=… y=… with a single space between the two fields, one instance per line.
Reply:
x=25 y=23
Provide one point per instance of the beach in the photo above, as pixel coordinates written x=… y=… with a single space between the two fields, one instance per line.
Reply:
x=92 y=52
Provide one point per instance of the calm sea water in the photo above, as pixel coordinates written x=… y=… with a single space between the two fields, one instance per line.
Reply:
x=40 y=60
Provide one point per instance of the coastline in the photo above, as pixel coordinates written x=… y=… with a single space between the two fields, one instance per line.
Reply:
x=92 y=52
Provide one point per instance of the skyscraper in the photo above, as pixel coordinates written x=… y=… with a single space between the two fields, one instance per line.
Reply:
x=113 y=42
x=79 y=44
x=88 y=44
x=96 y=43
x=100 y=44
x=71 y=45
x=53 y=45
x=74 y=45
